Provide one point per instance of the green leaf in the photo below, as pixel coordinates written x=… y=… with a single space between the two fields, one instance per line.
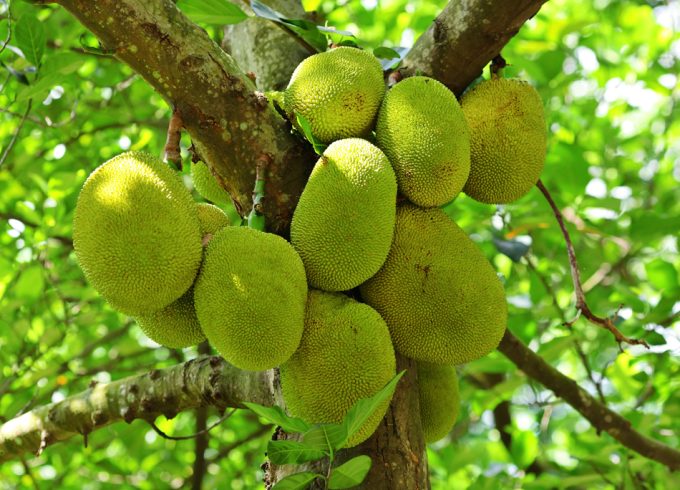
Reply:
x=305 y=29
x=30 y=284
x=326 y=437
x=350 y=474
x=29 y=35
x=298 y=481
x=53 y=73
x=292 y=452
x=364 y=408
x=306 y=128
x=218 y=12
x=662 y=275
x=385 y=53
x=277 y=416
x=390 y=57
x=524 y=448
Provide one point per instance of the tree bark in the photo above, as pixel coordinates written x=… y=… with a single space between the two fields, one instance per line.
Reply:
x=232 y=126
x=262 y=48
x=397 y=447
x=204 y=381
x=598 y=414
x=465 y=37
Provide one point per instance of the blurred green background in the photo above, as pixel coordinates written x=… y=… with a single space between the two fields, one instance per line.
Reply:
x=607 y=71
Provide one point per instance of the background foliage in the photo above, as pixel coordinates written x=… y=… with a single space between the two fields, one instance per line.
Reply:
x=607 y=72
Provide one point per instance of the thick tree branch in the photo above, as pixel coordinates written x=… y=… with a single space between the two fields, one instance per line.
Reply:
x=465 y=37
x=204 y=381
x=600 y=416
x=231 y=125
x=261 y=47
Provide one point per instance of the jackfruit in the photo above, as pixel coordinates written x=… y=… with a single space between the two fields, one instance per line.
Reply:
x=343 y=224
x=437 y=292
x=207 y=186
x=211 y=219
x=136 y=233
x=175 y=326
x=439 y=399
x=338 y=92
x=250 y=297
x=508 y=139
x=345 y=354
x=422 y=130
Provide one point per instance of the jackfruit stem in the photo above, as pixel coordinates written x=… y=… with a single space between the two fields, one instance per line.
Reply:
x=172 y=154
x=497 y=66
x=256 y=219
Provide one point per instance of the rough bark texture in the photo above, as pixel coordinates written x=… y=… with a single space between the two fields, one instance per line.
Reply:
x=397 y=447
x=598 y=414
x=260 y=47
x=204 y=381
x=465 y=37
x=231 y=125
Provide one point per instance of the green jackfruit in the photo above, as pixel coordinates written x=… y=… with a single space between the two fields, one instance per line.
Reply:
x=422 y=130
x=207 y=186
x=136 y=233
x=174 y=326
x=250 y=297
x=508 y=139
x=345 y=354
x=338 y=92
x=439 y=399
x=211 y=219
x=343 y=224
x=437 y=292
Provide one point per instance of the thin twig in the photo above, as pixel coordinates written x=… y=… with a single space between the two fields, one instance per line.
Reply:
x=589 y=371
x=9 y=27
x=15 y=136
x=193 y=436
x=582 y=307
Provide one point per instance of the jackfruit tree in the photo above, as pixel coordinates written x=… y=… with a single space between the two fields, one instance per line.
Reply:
x=376 y=245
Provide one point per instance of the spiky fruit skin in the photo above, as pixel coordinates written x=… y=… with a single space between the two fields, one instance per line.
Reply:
x=437 y=292
x=250 y=297
x=338 y=92
x=207 y=186
x=136 y=233
x=508 y=136
x=345 y=354
x=439 y=399
x=422 y=130
x=343 y=224
x=211 y=219
x=175 y=326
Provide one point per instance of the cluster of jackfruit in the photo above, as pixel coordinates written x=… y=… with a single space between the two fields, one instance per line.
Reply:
x=367 y=273
x=181 y=270
x=412 y=266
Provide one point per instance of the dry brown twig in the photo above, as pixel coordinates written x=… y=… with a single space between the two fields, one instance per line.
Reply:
x=582 y=307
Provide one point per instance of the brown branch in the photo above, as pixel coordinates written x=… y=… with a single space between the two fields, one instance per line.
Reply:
x=204 y=381
x=230 y=124
x=465 y=37
x=581 y=305
x=172 y=151
x=600 y=416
